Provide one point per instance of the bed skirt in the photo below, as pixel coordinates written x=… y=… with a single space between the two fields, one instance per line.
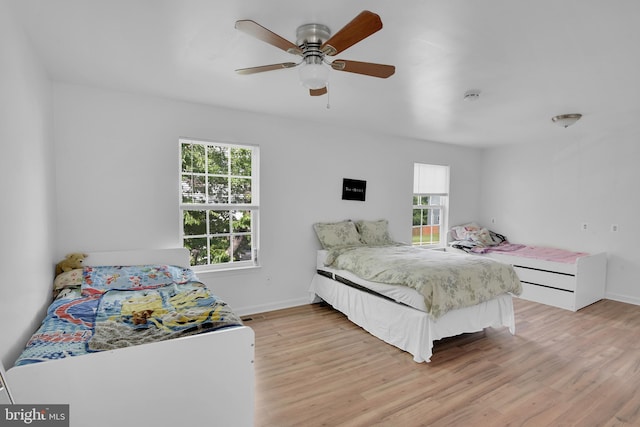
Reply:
x=405 y=327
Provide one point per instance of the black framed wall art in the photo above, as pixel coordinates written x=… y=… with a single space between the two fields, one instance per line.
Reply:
x=354 y=189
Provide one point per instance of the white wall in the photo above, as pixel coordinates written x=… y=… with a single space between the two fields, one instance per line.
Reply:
x=117 y=183
x=540 y=194
x=26 y=173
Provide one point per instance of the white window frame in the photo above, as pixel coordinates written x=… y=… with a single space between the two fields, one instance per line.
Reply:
x=431 y=180
x=253 y=206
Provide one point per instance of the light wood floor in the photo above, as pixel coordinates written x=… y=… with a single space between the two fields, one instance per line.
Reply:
x=315 y=368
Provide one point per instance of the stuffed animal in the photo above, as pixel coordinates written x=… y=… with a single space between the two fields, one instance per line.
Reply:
x=140 y=317
x=71 y=262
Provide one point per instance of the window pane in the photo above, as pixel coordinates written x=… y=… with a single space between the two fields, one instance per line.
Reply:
x=240 y=190
x=241 y=221
x=194 y=223
x=435 y=216
x=424 y=200
x=417 y=217
x=218 y=190
x=435 y=234
x=218 y=222
x=218 y=159
x=241 y=161
x=219 y=249
x=242 y=247
x=416 y=236
x=425 y=216
x=186 y=153
x=186 y=188
x=193 y=189
x=197 y=250
x=193 y=158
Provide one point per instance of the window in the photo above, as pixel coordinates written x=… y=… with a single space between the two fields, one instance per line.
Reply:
x=219 y=203
x=430 y=201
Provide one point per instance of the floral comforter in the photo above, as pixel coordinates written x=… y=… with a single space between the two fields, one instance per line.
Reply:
x=447 y=281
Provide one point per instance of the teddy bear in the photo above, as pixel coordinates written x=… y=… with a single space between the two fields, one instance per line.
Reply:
x=140 y=317
x=71 y=262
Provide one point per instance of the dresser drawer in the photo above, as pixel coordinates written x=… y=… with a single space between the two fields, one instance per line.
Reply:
x=562 y=284
x=549 y=296
x=546 y=278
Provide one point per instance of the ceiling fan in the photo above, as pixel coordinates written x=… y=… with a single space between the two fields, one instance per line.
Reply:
x=316 y=45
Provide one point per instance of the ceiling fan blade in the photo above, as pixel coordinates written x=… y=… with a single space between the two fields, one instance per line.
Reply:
x=360 y=27
x=262 y=68
x=261 y=33
x=367 y=68
x=318 y=92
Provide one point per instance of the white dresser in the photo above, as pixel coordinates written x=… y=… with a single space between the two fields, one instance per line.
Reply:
x=569 y=286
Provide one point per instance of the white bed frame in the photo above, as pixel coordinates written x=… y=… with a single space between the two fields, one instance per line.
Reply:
x=571 y=286
x=405 y=327
x=205 y=379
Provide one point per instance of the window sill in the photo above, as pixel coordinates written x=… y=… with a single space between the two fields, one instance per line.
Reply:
x=210 y=269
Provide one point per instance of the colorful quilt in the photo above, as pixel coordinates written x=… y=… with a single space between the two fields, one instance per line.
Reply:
x=123 y=306
x=131 y=317
x=65 y=330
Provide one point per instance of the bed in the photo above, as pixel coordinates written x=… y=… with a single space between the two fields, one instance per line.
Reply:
x=183 y=378
x=375 y=296
x=553 y=276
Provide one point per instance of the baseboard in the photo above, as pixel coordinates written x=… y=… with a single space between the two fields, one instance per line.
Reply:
x=622 y=298
x=262 y=308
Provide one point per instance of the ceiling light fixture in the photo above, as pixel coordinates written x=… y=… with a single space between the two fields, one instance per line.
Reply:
x=566 y=120
x=472 y=95
x=313 y=72
x=314 y=75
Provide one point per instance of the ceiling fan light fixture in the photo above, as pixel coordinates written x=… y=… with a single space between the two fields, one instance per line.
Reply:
x=314 y=75
x=566 y=120
x=314 y=43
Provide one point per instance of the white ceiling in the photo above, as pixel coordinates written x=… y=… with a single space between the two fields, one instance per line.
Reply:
x=530 y=59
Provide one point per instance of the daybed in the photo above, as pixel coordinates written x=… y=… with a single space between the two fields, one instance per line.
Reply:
x=552 y=276
x=191 y=379
x=448 y=294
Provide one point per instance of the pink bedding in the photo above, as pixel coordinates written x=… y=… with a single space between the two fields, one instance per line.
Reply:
x=537 y=252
